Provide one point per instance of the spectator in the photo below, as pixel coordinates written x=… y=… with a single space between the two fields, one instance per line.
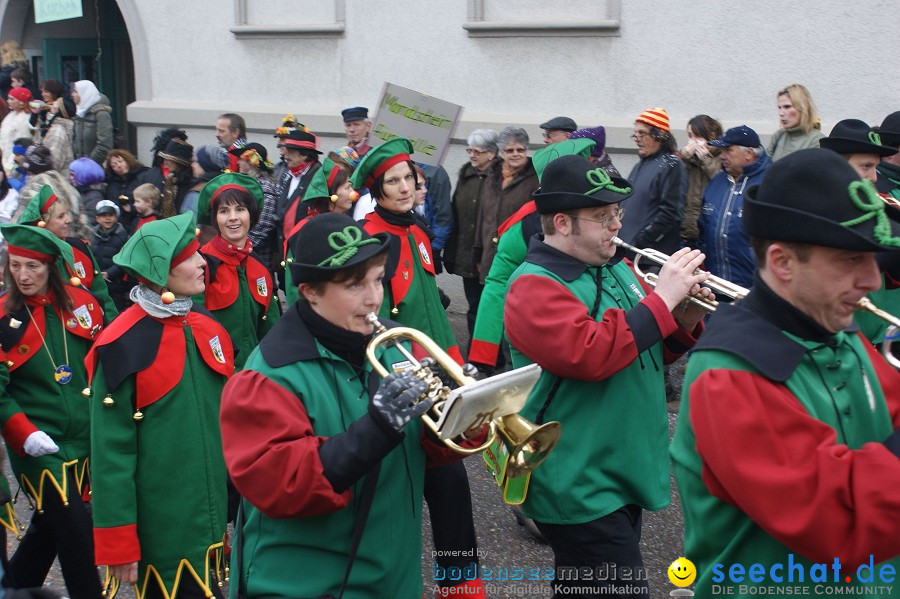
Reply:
x=702 y=164
x=19 y=175
x=108 y=238
x=722 y=238
x=558 y=129
x=89 y=179
x=204 y=169
x=357 y=127
x=177 y=159
x=9 y=201
x=93 y=126
x=15 y=124
x=11 y=58
x=281 y=172
x=21 y=77
x=598 y=152
x=156 y=175
x=55 y=124
x=653 y=214
x=458 y=256
x=799 y=123
x=508 y=187
x=231 y=133
x=123 y=174
x=889 y=169
x=146 y=204
x=437 y=211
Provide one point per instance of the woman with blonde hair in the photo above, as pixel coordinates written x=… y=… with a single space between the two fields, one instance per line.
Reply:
x=11 y=58
x=799 y=121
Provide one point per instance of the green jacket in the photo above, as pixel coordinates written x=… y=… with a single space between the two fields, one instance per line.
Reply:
x=778 y=453
x=598 y=340
x=160 y=482
x=294 y=422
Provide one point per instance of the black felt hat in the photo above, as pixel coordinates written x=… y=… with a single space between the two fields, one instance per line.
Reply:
x=573 y=182
x=300 y=139
x=890 y=129
x=178 y=151
x=853 y=136
x=330 y=243
x=814 y=196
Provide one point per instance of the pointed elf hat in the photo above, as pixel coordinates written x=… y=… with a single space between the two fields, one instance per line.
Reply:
x=36 y=243
x=37 y=206
x=158 y=247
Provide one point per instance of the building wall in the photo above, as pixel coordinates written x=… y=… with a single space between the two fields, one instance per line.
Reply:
x=726 y=59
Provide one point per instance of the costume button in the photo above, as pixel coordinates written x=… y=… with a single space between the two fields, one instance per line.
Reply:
x=495 y=240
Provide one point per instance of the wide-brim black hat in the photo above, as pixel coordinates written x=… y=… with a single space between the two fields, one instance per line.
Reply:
x=330 y=243
x=890 y=129
x=573 y=182
x=178 y=151
x=814 y=196
x=303 y=140
x=853 y=136
x=262 y=162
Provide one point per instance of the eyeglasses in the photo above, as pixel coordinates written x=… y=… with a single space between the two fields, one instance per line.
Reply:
x=639 y=135
x=514 y=150
x=475 y=151
x=606 y=220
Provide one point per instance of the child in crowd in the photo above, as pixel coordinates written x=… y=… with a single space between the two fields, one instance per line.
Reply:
x=19 y=175
x=146 y=203
x=109 y=237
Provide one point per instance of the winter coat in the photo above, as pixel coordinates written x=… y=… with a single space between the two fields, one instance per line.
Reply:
x=123 y=185
x=58 y=139
x=458 y=253
x=94 y=132
x=700 y=170
x=653 y=214
x=787 y=141
x=105 y=245
x=90 y=195
x=64 y=190
x=14 y=126
x=6 y=76
x=497 y=205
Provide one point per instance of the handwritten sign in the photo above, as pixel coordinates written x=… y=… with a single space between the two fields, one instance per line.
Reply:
x=426 y=121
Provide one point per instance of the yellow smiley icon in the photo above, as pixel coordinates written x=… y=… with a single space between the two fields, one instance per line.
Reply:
x=682 y=572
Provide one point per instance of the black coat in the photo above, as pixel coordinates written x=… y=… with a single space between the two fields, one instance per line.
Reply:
x=105 y=246
x=123 y=185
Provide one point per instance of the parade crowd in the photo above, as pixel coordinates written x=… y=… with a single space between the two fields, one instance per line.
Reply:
x=184 y=345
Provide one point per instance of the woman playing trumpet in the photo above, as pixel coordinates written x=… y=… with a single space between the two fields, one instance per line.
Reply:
x=311 y=436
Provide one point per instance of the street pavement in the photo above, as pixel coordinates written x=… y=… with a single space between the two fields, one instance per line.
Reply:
x=503 y=545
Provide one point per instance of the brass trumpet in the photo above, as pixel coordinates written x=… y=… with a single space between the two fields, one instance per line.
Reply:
x=494 y=401
x=719 y=285
x=893 y=331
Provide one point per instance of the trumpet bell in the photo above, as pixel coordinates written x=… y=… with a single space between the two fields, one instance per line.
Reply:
x=528 y=444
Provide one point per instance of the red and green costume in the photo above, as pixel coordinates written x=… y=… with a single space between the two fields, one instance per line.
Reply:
x=513 y=245
x=160 y=480
x=602 y=339
x=240 y=294
x=33 y=400
x=786 y=445
x=410 y=294
x=295 y=421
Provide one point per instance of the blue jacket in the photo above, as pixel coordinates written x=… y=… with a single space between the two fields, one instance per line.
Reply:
x=722 y=236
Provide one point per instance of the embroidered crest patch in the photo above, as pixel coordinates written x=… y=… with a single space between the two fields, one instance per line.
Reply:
x=261 y=288
x=216 y=347
x=79 y=270
x=423 y=251
x=83 y=316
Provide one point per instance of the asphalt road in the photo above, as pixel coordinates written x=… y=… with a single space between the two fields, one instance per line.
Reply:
x=502 y=543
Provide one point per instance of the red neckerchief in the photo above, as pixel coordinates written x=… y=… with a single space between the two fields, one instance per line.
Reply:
x=223 y=290
x=403 y=275
x=152 y=383
x=80 y=326
x=297 y=171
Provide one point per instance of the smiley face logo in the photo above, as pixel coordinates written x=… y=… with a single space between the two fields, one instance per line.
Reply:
x=682 y=572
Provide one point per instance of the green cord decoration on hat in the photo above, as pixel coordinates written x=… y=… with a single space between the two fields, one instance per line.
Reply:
x=875 y=138
x=860 y=191
x=602 y=180
x=346 y=244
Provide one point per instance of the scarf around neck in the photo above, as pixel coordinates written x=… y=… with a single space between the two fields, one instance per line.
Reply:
x=232 y=252
x=404 y=219
x=153 y=305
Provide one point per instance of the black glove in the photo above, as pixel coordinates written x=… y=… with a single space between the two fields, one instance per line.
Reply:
x=438 y=266
x=468 y=368
x=395 y=401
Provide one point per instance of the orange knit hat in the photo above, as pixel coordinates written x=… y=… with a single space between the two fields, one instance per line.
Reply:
x=655 y=117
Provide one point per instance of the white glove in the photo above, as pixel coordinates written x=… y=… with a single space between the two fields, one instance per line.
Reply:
x=39 y=443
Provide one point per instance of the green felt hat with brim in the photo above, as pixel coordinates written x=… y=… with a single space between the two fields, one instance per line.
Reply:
x=570 y=147
x=219 y=184
x=37 y=206
x=158 y=247
x=36 y=243
x=378 y=160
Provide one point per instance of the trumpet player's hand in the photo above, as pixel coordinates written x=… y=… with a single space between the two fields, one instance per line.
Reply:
x=468 y=369
x=688 y=314
x=679 y=275
x=396 y=400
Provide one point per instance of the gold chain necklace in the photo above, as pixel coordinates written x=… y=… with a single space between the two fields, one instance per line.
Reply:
x=62 y=373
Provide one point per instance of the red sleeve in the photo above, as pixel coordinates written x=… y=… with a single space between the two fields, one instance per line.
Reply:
x=889 y=379
x=117 y=546
x=16 y=431
x=271 y=451
x=438 y=453
x=763 y=453
x=548 y=324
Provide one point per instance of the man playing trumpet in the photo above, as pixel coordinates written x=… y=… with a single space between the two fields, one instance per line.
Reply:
x=602 y=338
x=786 y=450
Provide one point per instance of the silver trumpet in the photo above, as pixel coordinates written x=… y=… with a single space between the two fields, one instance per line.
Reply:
x=718 y=285
x=892 y=333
